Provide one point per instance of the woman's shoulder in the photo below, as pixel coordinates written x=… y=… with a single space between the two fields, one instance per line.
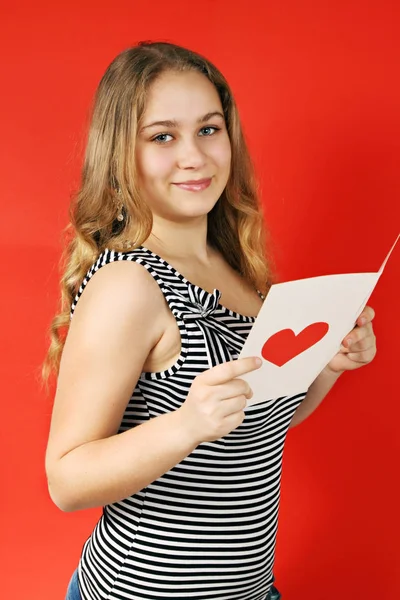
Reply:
x=125 y=285
x=110 y=256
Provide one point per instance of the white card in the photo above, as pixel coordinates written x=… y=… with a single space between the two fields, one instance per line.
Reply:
x=300 y=327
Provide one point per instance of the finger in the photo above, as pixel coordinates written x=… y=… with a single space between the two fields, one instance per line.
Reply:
x=362 y=357
x=343 y=349
x=234 y=368
x=363 y=345
x=236 y=387
x=234 y=420
x=358 y=334
x=366 y=316
x=233 y=405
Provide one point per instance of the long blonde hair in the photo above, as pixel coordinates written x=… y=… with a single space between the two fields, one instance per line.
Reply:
x=235 y=224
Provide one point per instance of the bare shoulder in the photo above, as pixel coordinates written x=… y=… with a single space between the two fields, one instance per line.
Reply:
x=126 y=284
x=120 y=303
x=118 y=319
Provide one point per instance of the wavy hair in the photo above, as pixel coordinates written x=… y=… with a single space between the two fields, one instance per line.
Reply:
x=235 y=224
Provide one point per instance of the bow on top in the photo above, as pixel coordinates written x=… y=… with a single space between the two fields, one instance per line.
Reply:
x=200 y=306
x=196 y=304
x=201 y=301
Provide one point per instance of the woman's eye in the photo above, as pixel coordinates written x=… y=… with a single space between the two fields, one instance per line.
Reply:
x=158 y=137
x=216 y=129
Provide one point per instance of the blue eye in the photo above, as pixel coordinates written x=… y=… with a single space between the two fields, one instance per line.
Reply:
x=216 y=129
x=159 y=136
x=162 y=135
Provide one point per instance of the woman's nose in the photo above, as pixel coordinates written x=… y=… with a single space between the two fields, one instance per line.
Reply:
x=190 y=154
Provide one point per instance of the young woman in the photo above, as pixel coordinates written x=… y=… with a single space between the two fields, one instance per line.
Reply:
x=148 y=418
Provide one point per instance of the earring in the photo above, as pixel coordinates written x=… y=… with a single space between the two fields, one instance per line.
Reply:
x=120 y=215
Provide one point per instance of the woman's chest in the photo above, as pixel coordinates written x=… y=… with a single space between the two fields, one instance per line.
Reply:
x=215 y=329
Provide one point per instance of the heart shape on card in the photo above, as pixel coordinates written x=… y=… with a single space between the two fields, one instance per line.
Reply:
x=284 y=345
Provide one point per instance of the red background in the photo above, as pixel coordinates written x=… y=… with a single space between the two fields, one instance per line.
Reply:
x=317 y=85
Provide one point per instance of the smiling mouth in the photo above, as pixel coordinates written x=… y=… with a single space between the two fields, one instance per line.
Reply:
x=194 y=186
x=193 y=181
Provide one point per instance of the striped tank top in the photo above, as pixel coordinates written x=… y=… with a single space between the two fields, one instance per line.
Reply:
x=206 y=529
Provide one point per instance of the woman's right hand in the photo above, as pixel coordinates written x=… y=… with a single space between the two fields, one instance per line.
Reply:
x=215 y=403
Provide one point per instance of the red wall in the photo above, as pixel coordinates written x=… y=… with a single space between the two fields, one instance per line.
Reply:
x=318 y=88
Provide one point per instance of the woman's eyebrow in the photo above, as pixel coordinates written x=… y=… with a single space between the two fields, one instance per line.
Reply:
x=175 y=123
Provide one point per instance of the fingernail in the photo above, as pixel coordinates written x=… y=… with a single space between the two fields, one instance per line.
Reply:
x=363 y=321
x=349 y=341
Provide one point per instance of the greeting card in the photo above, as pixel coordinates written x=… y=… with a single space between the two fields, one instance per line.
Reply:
x=300 y=327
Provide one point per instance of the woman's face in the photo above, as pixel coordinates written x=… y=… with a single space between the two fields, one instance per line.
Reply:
x=195 y=147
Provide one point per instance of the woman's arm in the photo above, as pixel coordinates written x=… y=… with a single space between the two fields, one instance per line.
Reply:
x=119 y=318
x=315 y=394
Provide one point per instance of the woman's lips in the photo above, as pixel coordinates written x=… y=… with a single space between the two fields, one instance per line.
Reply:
x=194 y=187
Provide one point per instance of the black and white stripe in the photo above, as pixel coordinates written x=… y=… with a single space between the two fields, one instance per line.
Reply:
x=206 y=529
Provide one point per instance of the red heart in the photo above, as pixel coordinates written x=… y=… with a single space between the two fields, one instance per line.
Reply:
x=285 y=345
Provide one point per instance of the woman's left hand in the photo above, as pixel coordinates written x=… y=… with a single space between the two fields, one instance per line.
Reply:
x=358 y=347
